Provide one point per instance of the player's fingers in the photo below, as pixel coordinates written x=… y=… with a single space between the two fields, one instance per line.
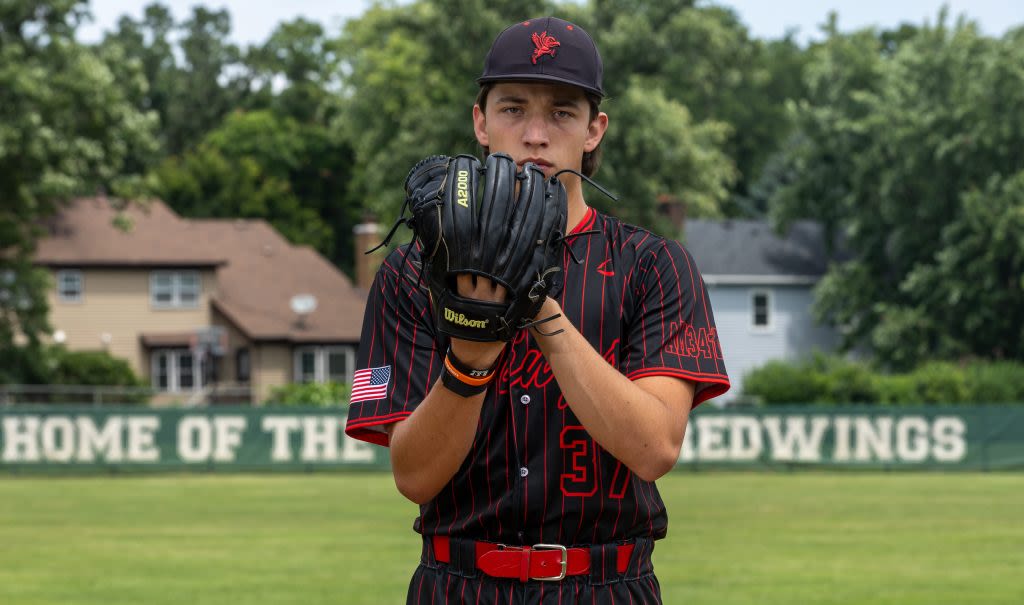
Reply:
x=480 y=288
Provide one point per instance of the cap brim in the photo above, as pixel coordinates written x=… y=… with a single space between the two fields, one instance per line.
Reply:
x=539 y=78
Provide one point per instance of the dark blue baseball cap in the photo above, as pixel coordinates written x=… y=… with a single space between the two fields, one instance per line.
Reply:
x=547 y=49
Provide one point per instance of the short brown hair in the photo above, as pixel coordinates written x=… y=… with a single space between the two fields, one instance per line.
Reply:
x=591 y=159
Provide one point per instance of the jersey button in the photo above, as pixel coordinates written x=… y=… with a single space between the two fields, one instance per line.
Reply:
x=524 y=471
x=525 y=399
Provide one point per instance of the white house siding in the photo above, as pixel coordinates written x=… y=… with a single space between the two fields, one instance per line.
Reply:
x=793 y=334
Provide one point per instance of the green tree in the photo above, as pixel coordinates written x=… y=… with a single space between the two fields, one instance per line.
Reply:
x=66 y=128
x=146 y=44
x=654 y=150
x=296 y=72
x=911 y=153
x=296 y=75
x=261 y=165
x=191 y=95
x=703 y=58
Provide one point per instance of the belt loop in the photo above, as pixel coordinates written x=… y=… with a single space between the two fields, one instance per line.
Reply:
x=603 y=560
x=524 y=564
x=463 y=555
x=427 y=555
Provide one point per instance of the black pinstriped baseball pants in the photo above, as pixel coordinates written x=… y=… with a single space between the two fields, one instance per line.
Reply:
x=459 y=582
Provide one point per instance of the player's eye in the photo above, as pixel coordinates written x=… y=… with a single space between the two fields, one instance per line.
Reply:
x=512 y=110
x=562 y=114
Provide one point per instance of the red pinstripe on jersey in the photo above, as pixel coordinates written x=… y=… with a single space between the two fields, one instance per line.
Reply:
x=640 y=301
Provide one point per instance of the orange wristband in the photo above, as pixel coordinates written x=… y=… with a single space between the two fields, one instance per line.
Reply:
x=465 y=378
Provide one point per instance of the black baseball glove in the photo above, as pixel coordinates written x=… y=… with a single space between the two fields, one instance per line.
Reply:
x=492 y=221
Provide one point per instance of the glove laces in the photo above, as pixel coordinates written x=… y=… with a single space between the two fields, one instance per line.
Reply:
x=565 y=238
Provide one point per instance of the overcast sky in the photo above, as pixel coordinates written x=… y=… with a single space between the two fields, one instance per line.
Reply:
x=253 y=20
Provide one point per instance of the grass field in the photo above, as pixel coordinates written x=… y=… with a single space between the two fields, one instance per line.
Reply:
x=775 y=538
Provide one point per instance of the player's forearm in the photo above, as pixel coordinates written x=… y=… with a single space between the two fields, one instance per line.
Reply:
x=429 y=446
x=633 y=425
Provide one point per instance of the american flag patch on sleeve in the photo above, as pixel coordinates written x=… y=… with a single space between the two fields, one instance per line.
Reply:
x=370 y=383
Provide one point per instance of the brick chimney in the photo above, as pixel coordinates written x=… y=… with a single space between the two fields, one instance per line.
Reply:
x=675 y=210
x=367 y=235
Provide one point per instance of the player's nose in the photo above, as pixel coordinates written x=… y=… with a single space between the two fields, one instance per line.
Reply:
x=535 y=132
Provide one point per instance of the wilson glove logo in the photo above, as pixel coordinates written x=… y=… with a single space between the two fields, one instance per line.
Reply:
x=461 y=320
x=462 y=189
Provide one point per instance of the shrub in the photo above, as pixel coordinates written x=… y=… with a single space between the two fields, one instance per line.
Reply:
x=940 y=382
x=995 y=382
x=834 y=379
x=32 y=364
x=778 y=382
x=850 y=382
x=896 y=389
x=93 y=368
x=326 y=394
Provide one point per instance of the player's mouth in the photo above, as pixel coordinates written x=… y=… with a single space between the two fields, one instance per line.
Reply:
x=541 y=163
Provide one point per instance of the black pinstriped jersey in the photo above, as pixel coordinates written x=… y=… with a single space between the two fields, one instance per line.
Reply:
x=533 y=474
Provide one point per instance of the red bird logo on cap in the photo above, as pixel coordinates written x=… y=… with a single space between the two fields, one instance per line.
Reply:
x=545 y=45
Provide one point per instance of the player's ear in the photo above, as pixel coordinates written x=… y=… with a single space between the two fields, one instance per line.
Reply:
x=480 y=126
x=595 y=131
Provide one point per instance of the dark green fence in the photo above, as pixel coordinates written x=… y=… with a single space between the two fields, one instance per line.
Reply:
x=245 y=438
x=979 y=437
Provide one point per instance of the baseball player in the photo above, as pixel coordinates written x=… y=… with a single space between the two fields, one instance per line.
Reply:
x=534 y=458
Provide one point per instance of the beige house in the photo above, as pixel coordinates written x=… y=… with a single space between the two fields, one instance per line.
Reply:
x=204 y=309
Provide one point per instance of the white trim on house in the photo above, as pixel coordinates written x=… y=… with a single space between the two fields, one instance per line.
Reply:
x=175 y=289
x=175 y=371
x=321 y=369
x=760 y=280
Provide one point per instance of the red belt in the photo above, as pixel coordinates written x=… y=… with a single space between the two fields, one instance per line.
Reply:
x=537 y=562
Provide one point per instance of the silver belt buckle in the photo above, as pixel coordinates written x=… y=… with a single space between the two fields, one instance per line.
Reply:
x=565 y=561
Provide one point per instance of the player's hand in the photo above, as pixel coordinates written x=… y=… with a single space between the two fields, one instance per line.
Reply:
x=478 y=355
x=480 y=288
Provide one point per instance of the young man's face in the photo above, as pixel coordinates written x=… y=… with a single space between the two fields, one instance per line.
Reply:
x=547 y=124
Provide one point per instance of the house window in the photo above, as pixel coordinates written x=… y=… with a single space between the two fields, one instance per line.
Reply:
x=761 y=310
x=242 y=365
x=69 y=285
x=323 y=364
x=339 y=364
x=174 y=289
x=305 y=365
x=175 y=370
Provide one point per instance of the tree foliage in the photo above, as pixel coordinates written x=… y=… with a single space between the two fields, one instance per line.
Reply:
x=66 y=128
x=912 y=154
x=702 y=57
x=262 y=165
x=194 y=73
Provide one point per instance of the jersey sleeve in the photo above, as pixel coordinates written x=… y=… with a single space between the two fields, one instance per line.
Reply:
x=672 y=332
x=398 y=359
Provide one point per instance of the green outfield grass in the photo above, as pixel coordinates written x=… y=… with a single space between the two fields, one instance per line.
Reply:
x=734 y=538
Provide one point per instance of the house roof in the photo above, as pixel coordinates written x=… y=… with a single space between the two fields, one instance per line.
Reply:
x=265 y=271
x=751 y=252
x=83 y=235
x=258 y=270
